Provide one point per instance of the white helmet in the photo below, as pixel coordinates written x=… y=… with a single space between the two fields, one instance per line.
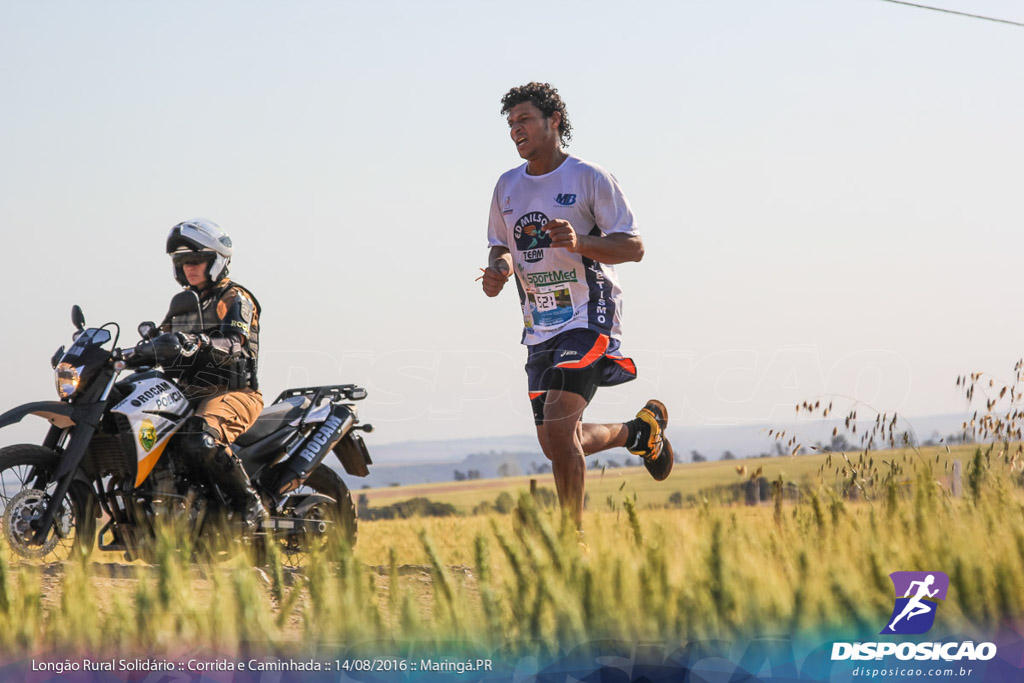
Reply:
x=199 y=237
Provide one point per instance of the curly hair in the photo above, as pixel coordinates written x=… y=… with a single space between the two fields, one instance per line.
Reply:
x=545 y=98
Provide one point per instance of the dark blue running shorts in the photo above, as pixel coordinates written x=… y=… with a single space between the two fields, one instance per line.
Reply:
x=578 y=361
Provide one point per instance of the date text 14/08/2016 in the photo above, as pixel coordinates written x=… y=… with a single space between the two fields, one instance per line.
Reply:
x=273 y=664
x=457 y=666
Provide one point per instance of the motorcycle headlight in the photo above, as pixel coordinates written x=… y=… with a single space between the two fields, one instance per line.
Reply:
x=67 y=379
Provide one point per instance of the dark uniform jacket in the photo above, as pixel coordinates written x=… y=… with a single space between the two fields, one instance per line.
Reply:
x=230 y=318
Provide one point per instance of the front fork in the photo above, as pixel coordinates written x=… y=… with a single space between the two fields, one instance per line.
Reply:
x=53 y=437
x=65 y=474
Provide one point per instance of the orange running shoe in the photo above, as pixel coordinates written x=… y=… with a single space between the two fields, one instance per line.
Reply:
x=652 y=445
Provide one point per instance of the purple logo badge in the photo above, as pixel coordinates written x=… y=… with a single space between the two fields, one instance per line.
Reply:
x=917 y=596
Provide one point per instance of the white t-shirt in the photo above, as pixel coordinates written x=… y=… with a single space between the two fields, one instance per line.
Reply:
x=560 y=290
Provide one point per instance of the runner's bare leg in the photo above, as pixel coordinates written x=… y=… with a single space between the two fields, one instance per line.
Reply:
x=561 y=440
x=601 y=437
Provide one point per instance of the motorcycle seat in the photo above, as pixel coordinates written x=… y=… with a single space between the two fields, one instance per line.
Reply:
x=273 y=418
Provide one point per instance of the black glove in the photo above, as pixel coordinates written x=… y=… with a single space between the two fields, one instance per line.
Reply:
x=164 y=348
x=191 y=343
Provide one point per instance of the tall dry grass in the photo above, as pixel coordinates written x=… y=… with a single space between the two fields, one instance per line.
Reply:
x=526 y=583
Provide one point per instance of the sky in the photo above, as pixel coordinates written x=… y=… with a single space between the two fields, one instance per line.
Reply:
x=829 y=193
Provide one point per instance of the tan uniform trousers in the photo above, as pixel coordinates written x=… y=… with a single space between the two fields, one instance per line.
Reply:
x=231 y=413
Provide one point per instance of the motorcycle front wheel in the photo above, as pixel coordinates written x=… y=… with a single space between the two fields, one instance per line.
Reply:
x=26 y=486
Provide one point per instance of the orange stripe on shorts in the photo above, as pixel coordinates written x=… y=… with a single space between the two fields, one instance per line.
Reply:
x=595 y=352
x=625 y=363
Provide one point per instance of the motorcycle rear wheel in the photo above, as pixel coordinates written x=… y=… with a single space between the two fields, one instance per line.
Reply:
x=26 y=484
x=340 y=515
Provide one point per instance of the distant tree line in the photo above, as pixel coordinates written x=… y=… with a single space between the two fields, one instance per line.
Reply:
x=406 y=509
x=505 y=503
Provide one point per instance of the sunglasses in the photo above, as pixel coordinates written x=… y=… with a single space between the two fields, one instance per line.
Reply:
x=192 y=259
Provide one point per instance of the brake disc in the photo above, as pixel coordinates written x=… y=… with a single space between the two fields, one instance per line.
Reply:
x=21 y=521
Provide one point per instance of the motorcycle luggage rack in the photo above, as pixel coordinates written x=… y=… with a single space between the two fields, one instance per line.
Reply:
x=350 y=392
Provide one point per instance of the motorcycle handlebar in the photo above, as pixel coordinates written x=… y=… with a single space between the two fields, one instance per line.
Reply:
x=130 y=357
x=160 y=350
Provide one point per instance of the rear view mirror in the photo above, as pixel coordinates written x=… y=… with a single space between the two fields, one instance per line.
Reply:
x=77 y=317
x=148 y=330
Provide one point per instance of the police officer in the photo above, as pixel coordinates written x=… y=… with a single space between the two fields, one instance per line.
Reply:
x=220 y=378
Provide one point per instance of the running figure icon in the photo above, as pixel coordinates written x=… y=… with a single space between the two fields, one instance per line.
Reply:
x=917 y=594
x=916 y=605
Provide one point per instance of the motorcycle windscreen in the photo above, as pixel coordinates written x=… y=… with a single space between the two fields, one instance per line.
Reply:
x=155 y=410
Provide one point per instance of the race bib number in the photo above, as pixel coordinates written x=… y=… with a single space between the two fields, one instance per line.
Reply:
x=551 y=306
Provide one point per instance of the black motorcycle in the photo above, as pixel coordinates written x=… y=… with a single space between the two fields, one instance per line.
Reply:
x=110 y=455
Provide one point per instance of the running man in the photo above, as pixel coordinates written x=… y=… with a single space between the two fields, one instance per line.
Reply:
x=560 y=224
x=916 y=604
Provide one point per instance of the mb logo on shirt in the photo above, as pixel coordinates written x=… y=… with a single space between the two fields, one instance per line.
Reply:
x=566 y=199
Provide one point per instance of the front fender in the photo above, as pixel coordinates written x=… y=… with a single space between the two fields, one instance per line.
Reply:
x=57 y=413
